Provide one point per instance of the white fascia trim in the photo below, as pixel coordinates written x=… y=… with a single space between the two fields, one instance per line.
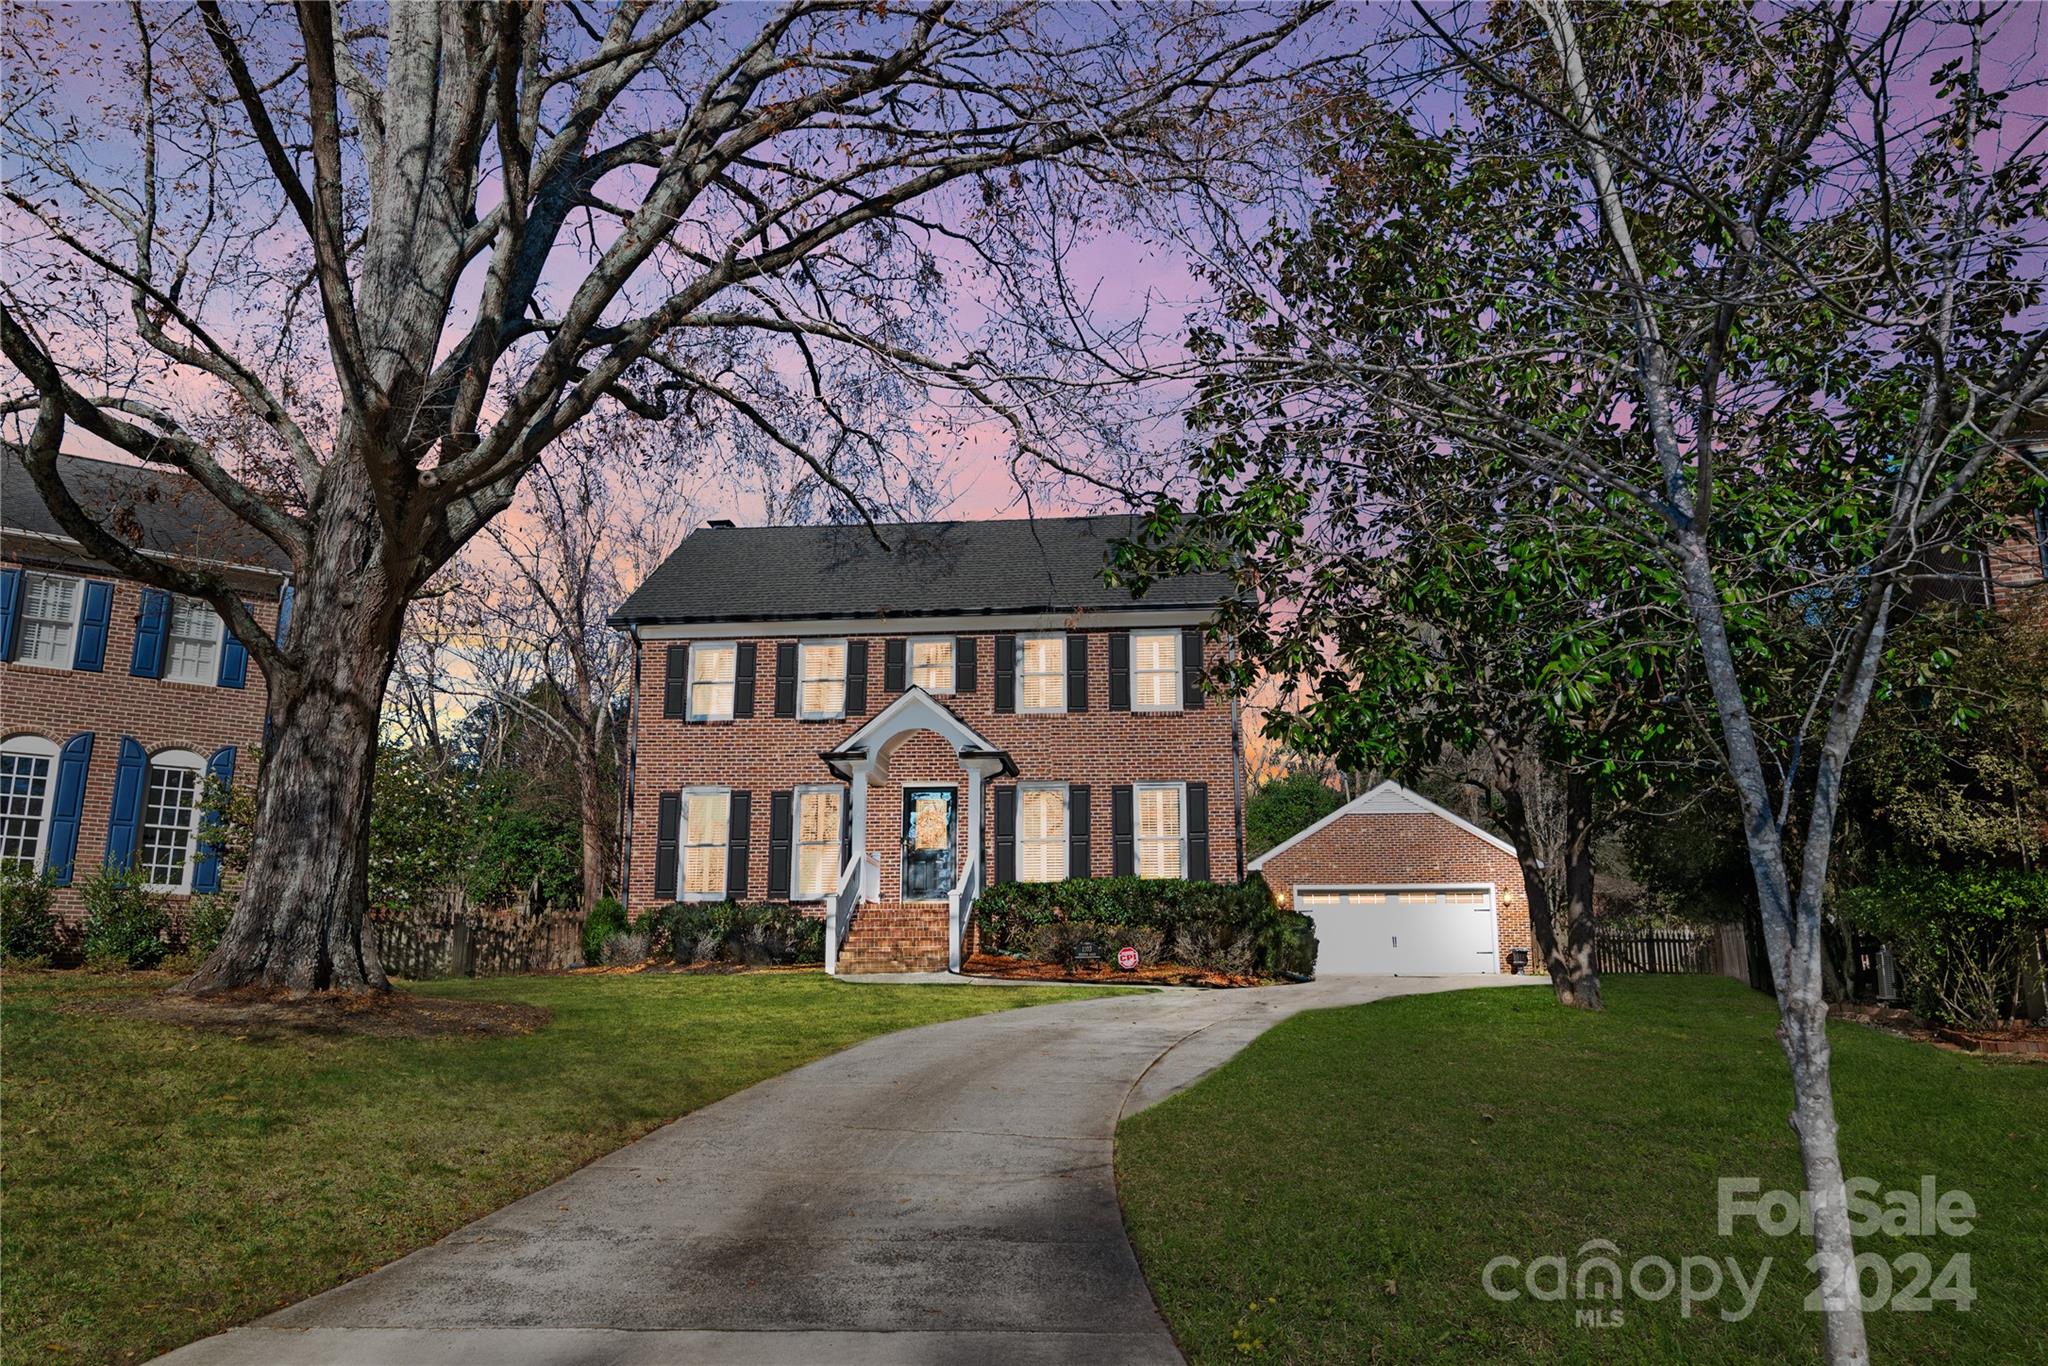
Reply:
x=1356 y=807
x=965 y=624
x=915 y=710
x=96 y=568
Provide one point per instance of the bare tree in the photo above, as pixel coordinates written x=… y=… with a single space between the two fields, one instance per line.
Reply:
x=418 y=243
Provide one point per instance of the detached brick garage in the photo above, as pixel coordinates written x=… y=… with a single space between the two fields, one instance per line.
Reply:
x=1399 y=885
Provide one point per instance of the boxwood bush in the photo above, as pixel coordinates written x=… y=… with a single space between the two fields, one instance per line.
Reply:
x=28 y=930
x=757 y=934
x=1217 y=925
x=125 y=926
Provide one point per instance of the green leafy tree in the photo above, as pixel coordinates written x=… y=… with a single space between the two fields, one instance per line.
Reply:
x=1284 y=807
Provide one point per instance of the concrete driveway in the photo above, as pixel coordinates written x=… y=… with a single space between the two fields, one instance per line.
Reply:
x=940 y=1195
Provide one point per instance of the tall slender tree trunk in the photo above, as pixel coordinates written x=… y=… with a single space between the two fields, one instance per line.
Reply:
x=596 y=810
x=298 y=921
x=1571 y=963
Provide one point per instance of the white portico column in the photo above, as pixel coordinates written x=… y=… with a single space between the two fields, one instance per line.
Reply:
x=859 y=817
x=964 y=896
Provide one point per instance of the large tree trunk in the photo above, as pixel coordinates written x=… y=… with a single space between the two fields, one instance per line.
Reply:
x=298 y=921
x=596 y=812
x=1574 y=973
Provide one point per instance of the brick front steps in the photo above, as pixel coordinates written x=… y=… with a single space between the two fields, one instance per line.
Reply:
x=892 y=936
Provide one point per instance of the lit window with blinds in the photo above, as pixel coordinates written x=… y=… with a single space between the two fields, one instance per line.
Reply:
x=1041 y=834
x=705 y=829
x=1155 y=671
x=1041 y=673
x=49 y=620
x=1161 y=835
x=194 y=652
x=711 y=681
x=931 y=665
x=821 y=679
x=818 y=827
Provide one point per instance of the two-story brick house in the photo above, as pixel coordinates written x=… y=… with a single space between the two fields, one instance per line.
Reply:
x=118 y=700
x=821 y=720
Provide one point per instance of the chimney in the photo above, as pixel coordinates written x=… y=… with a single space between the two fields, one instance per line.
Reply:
x=725 y=522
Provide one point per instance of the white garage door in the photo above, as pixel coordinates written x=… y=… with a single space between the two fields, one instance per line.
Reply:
x=1420 y=932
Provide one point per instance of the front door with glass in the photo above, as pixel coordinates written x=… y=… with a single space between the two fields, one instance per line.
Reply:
x=927 y=843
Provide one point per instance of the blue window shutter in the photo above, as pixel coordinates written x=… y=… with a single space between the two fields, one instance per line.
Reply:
x=124 y=817
x=234 y=659
x=10 y=611
x=72 y=763
x=284 y=614
x=152 y=634
x=94 y=616
x=206 y=872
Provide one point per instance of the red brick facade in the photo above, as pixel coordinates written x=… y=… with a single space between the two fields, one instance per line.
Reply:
x=58 y=703
x=1406 y=849
x=765 y=754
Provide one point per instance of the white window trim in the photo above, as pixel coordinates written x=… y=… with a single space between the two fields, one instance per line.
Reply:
x=77 y=619
x=683 y=845
x=803 y=647
x=1065 y=840
x=1017 y=681
x=1180 y=791
x=796 y=845
x=36 y=747
x=175 y=758
x=210 y=676
x=690 y=694
x=1173 y=692
x=952 y=644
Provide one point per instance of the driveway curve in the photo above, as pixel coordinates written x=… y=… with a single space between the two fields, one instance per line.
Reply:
x=944 y=1194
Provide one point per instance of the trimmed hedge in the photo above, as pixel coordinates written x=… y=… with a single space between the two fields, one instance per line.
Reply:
x=757 y=934
x=1220 y=926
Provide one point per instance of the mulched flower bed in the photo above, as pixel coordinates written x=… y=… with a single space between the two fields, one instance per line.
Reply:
x=1158 y=975
x=2022 y=1041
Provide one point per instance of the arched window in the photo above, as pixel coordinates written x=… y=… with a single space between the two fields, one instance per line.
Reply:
x=170 y=820
x=28 y=769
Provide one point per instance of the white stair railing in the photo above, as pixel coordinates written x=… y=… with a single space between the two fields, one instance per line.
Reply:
x=959 y=906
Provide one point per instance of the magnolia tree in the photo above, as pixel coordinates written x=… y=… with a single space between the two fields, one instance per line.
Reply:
x=413 y=245
x=1759 y=290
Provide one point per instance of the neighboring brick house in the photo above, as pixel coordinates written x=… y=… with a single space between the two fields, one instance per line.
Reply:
x=1397 y=884
x=822 y=721
x=118 y=700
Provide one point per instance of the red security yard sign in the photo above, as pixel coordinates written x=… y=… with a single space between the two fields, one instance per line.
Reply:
x=1127 y=958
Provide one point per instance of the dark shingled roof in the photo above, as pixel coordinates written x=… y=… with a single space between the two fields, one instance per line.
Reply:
x=782 y=573
x=156 y=509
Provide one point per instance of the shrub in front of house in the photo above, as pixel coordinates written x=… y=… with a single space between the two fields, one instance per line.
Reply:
x=758 y=935
x=125 y=926
x=28 y=929
x=606 y=919
x=206 y=920
x=1965 y=937
x=1221 y=927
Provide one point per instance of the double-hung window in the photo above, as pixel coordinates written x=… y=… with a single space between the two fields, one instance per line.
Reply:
x=1155 y=671
x=1042 y=832
x=711 y=680
x=26 y=766
x=194 y=653
x=1162 y=830
x=1041 y=673
x=170 y=820
x=706 y=832
x=818 y=826
x=49 y=620
x=821 y=679
x=931 y=664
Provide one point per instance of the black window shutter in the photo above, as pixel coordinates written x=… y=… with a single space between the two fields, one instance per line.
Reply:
x=1006 y=834
x=964 y=662
x=1006 y=673
x=1123 y=853
x=856 y=678
x=675 y=683
x=665 y=830
x=1077 y=671
x=743 y=679
x=892 y=666
x=1077 y=831
x=1120 y=671
x=845 y=829
x=779 y=807
x=785 y=678
x=1191 y=668
x=1197 y=816
x=739 y=843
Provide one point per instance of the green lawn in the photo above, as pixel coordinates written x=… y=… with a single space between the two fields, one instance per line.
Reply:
x=1334 y=1192
x=162 y=1183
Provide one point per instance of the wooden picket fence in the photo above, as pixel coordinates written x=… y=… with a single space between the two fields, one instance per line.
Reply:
x=1722 y=951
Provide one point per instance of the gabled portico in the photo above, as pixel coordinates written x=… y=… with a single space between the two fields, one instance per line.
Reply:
x=862 y=760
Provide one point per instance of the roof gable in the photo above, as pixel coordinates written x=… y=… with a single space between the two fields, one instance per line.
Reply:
x=158 y=511
x=1388 y=799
